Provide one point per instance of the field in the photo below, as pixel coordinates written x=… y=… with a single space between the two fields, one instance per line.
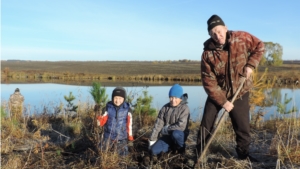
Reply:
x=154 y=72
x=106 y=67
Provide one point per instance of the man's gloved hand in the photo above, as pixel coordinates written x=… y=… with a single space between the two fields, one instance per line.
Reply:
x=164 y=130
x=151 y=143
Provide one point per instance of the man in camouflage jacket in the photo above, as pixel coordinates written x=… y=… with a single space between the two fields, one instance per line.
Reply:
x=16 y=104
x=228 y=56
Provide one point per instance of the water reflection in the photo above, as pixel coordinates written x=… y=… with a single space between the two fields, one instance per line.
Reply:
x=47 y=96
x=276 y=98
x=273 y=96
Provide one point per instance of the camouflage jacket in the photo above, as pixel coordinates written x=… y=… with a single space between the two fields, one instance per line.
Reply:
x=16 y=99
x=221 y=68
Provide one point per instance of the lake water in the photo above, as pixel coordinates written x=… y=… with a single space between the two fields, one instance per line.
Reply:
x=37 y=96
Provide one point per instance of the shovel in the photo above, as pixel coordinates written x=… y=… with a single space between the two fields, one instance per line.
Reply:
x=224 y=112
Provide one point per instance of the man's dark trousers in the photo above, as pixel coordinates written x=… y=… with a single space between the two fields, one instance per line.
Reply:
x=239 y=117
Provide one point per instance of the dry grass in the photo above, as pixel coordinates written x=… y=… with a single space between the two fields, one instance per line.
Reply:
x=277 y=146
x=50 y=146
x=286 y=143
x=14 y=161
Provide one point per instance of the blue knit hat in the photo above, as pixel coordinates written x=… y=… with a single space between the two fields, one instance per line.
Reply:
x=176 y=91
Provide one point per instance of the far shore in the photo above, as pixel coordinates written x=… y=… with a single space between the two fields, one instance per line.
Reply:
x=128 y=72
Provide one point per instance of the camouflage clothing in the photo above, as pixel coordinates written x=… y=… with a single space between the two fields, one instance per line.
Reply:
x=16 y=104
x=221 y=68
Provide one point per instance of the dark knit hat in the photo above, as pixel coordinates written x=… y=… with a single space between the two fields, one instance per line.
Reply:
x=176 y=91
x=213 y=21
x=118 y=91
x=17 y=90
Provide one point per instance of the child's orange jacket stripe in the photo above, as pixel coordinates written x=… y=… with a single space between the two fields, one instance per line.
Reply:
x=103 y=119
x=129 y=126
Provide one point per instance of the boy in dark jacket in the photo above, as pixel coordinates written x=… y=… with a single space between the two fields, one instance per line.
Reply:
x=117 y=122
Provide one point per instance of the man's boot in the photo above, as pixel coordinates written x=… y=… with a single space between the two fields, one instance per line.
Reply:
x=243 y=154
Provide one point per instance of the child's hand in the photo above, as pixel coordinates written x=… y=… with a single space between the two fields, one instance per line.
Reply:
x=151 y=143
x=130 y=146
x=165 y=130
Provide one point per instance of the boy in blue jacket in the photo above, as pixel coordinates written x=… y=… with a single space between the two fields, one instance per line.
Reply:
x=117 y=122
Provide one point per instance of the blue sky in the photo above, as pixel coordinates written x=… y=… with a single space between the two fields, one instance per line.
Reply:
x=123 y=30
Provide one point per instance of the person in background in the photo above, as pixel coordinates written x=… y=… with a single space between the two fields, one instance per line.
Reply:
x=228 y=56
x=117 y=122
x=16 y=101
x=172 y=122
